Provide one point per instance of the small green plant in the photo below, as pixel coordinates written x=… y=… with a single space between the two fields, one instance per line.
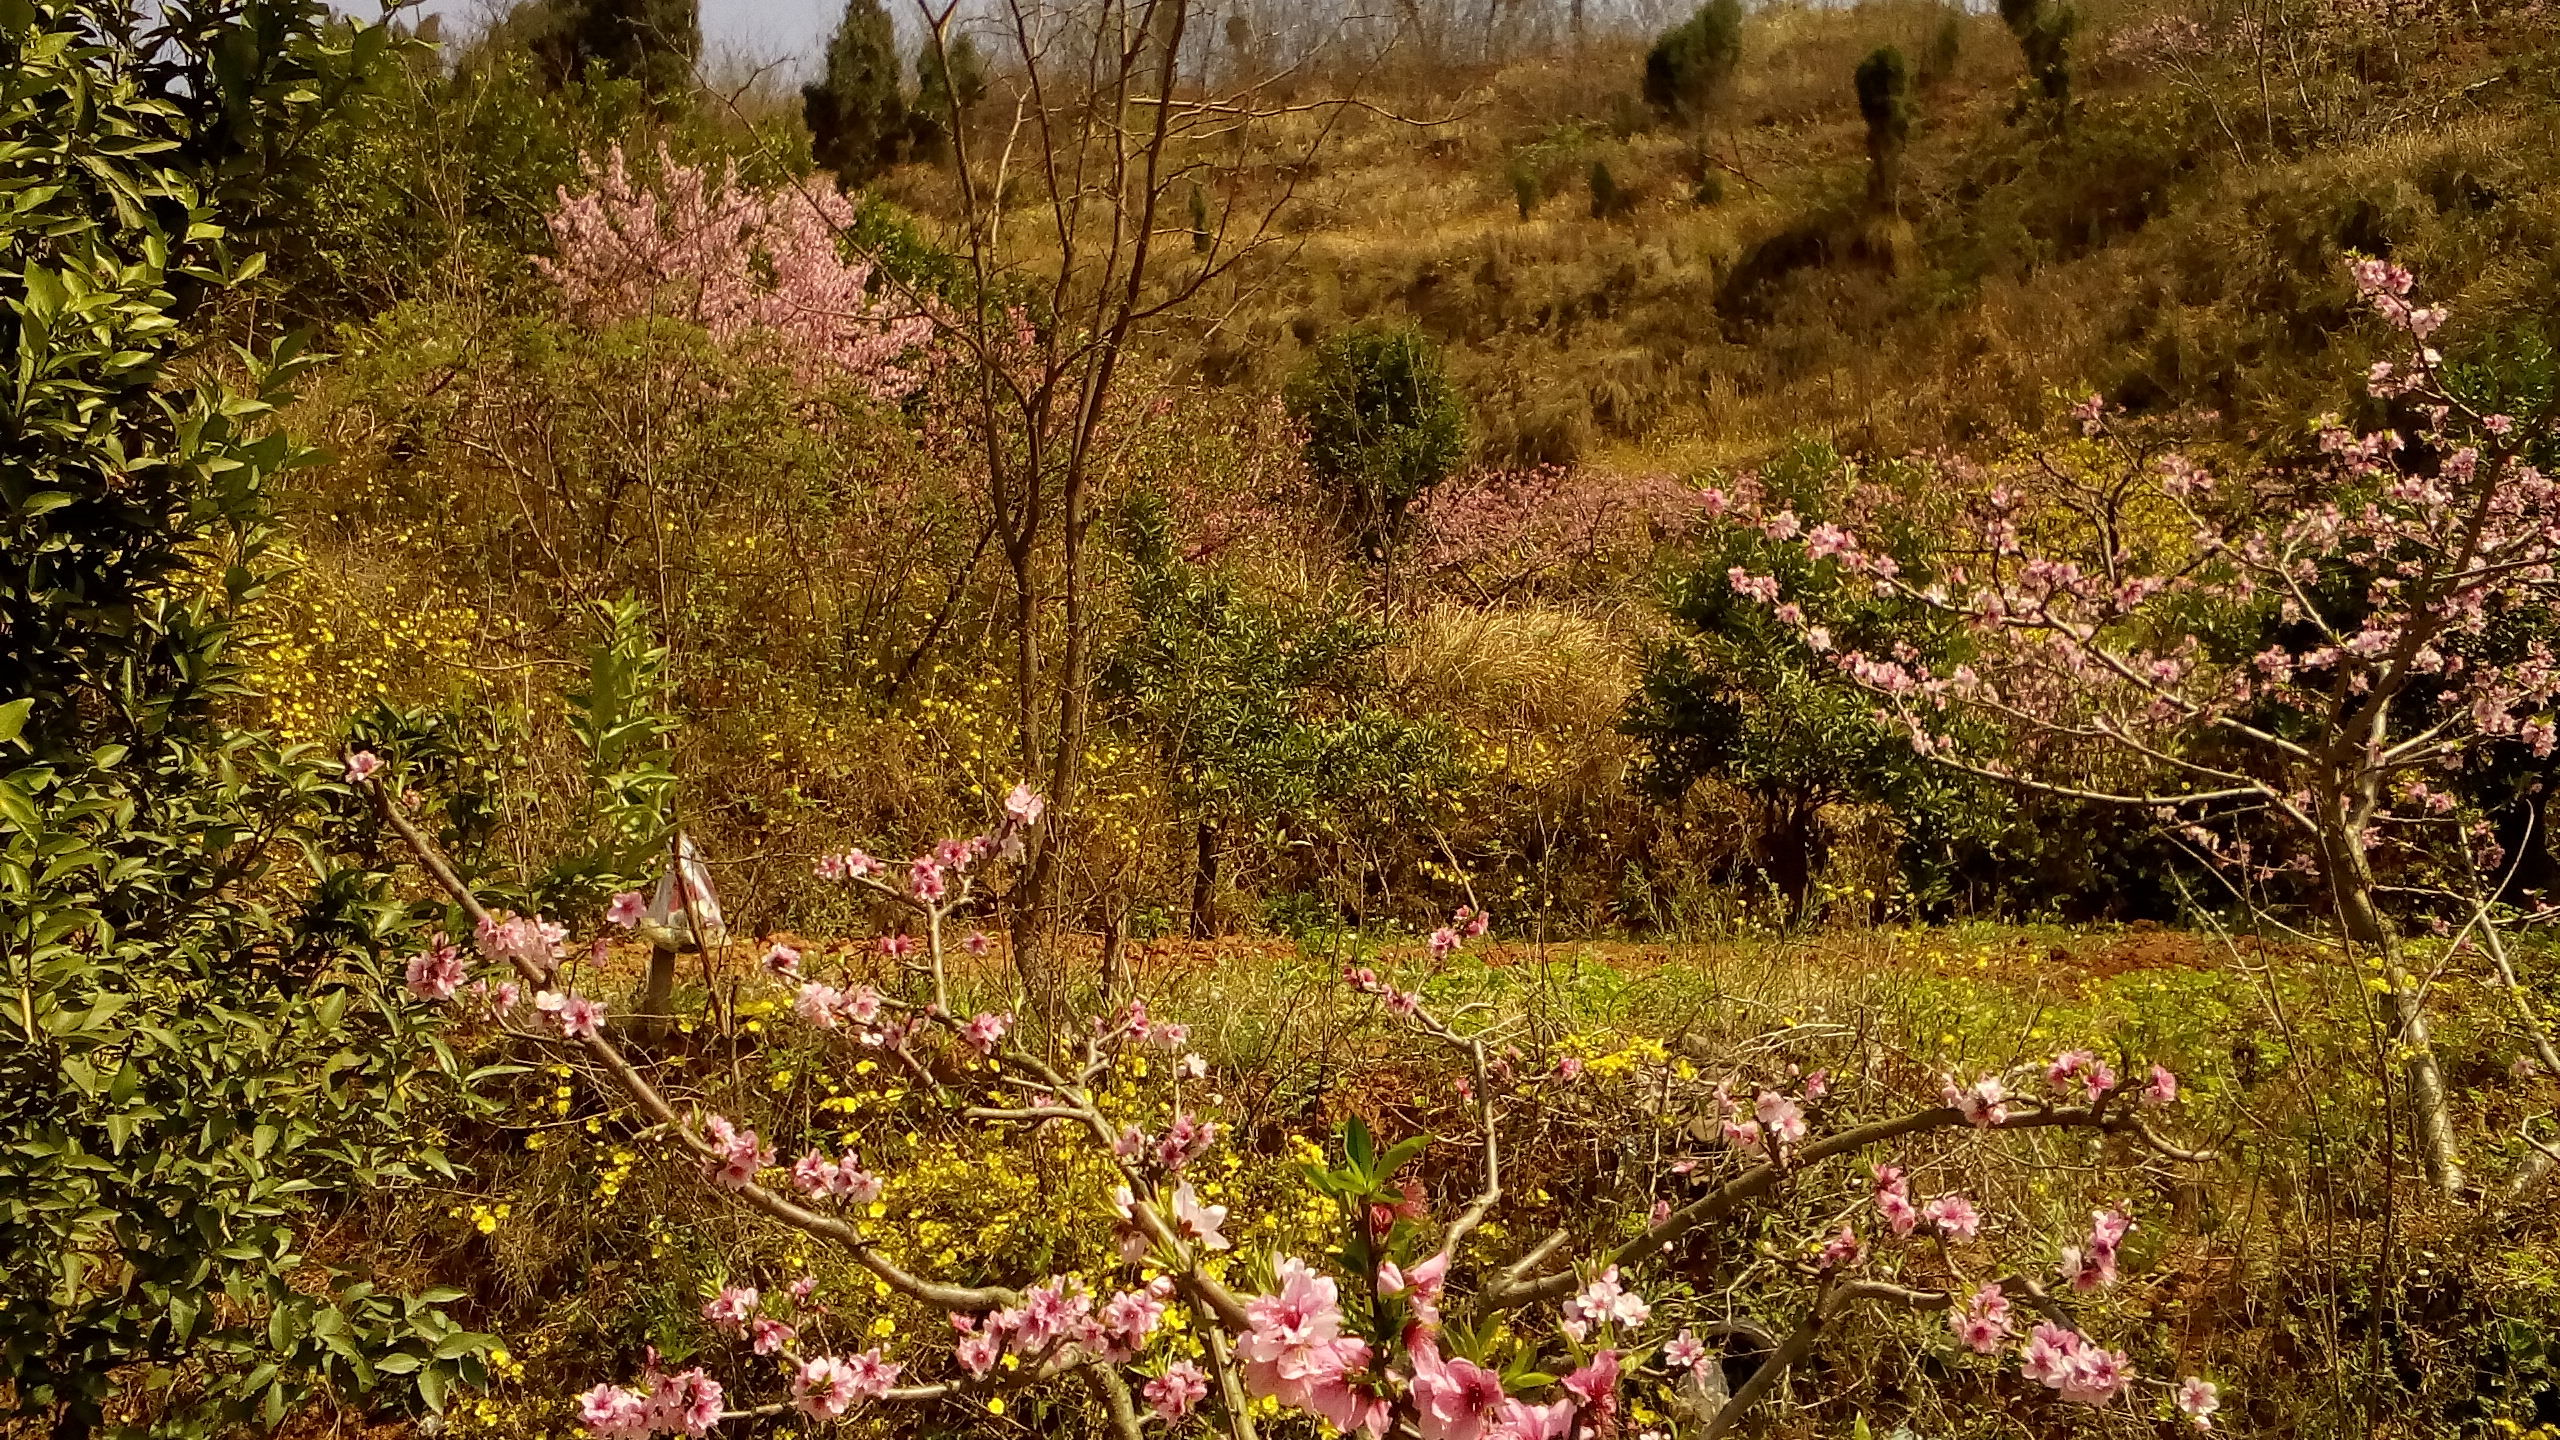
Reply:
x=1609 y=199
x=620 y=717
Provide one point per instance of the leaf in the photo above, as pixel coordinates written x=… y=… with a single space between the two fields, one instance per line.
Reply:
x=1356 y=1144
x=13 y=717
x=1401 y=1152
x=431 y=1387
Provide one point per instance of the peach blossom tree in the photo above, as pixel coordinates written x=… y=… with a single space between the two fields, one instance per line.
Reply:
x=1414 y=1324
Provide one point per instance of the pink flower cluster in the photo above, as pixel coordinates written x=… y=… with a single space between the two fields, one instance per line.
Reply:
x=1983 y=1104
x=1605 y=1302
x=686 y=1403
x=1776 y=1122
x=534 y=942
x=737 y=1154
x=825 y=1007
x=814 y=1175
x=2067 y=1362
x=2081 y=1070
x=1295 y=1352
x=436 y=972
x=1953 y=1216
x=2093 y=1266
x=1464 y=926
x=850 y=865
x=1981 y=1322
x=826 y=1386
x=986 y=1031
x=1058 y=1318
x=579 y=1017
x=1172 y=1394
x=1136 y=1026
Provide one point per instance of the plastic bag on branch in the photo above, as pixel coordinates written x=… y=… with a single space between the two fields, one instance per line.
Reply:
x=684 y=913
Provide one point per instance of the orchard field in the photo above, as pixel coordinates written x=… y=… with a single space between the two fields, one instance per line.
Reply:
x=1570 y=720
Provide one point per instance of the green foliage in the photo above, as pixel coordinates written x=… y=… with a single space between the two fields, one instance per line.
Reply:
x=1262 y=712
x=1686 y=70
x=2043 y=29
x=857 y=116
x=446 y=177
x=944 y=89
x=1734 y=698
x=1383 y=425
x=1526 y=190
x=651 y=42
x=1946 y=44
x=202 y=1041
x=621 y=718
x=1884 y=100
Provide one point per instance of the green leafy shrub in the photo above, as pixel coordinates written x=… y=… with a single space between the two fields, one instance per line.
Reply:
x=1731 y=698
x=1263 y=715
x=652 y=42
x=1383 y=425
x=950 y=81
x=202 y=1046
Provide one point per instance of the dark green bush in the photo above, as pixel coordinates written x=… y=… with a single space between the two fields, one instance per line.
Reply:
x=945 y=88
x=1686 y=70
x=857 y=116
x=1383 y=425
x=2043 y=28
x=652 y=42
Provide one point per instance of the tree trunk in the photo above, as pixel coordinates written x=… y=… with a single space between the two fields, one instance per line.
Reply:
x=1788 y=848
x=1115 y=980
x=1204 y=884
x=657 y=995
x=2351 y=887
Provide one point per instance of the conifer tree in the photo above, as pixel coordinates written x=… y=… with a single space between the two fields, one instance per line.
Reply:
x=856 y=113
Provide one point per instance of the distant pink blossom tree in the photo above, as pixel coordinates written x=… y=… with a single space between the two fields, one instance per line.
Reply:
x=2230 y=660
x=1499 y=533
x=744 y=264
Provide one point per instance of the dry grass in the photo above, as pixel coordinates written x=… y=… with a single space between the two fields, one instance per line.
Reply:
x=2145 y=251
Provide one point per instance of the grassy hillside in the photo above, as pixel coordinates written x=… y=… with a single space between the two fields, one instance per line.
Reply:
x=2174 y=241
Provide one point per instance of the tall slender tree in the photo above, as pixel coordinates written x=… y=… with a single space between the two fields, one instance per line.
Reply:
x=1884 y=98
